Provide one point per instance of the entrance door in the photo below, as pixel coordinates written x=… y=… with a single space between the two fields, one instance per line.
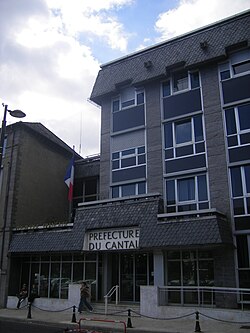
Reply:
x=130 y=271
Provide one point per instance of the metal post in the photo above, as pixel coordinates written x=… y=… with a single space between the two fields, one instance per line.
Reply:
x=3 y=134
x=116 y=294
x=129 y=323
x=74 y=315
x=197 y=322
x=29 y=310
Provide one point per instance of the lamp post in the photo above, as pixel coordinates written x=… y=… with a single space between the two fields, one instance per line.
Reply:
x=17 y=114
x=14 y=113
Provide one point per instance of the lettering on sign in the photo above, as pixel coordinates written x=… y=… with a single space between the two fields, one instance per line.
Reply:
x=112 y=239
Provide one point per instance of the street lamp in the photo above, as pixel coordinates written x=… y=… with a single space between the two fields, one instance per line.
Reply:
x=14 y=113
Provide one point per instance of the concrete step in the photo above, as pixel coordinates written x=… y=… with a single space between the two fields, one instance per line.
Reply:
x=120 y=309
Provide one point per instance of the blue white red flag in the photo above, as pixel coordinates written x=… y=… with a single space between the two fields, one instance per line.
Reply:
x=69 y=179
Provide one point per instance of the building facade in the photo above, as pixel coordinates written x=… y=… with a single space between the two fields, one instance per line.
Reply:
x=32 y=191
x=169 y=198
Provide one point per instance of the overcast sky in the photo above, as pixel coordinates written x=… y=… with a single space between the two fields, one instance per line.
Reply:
x=51 y=50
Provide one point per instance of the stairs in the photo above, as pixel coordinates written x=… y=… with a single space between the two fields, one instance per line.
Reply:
x=121 y=309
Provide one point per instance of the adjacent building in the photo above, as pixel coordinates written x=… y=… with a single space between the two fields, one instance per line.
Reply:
x=167 y=203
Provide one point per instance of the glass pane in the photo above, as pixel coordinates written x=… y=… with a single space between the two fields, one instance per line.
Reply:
x=128 y=103
x=183 y=132
x=128 y=190
x=55 y=280
x=180 y=81
x=195 y=82
x=236 y=182
x=140 y=98
x=242 y=251
x=238 y=205
x=116 y=105
x=230 y=121
x=66 y=279
x=141 y=150
x=245 y=138
x=127 y=277
x=198 y=128
x=174 y=279
x=244 y=116
x=115 y=165
x=166 y=89
x=141 y=278
x=128 y=152
x=142 y=188
x=141 y=159
x=199 y=147
x=225 y=75
x=184 y=150
x=44 y=280
x=115 y=192
x=170 y=192
x=126 y=162
x=232 y=141
x=115 y=155
x=186 y=189
x=168 y=135
x=77 y=272
x=202 y=188
x=241 y=68
x=169 y=153
x=247 y=177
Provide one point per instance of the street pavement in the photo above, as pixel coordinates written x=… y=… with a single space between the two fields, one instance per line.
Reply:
x=116 y=323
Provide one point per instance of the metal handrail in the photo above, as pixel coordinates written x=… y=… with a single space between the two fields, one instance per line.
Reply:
x=238 y=292
x=113 y=290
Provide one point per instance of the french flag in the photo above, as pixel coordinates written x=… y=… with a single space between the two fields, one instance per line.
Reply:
x=69 y=179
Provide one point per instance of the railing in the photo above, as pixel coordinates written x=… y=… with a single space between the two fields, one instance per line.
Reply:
x=113 y=290
x=204 y=296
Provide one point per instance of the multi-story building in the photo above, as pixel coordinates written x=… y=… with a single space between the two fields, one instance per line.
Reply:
x=173 y=180
x=176 y=121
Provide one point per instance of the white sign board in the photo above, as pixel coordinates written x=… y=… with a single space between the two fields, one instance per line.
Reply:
x=112 y=239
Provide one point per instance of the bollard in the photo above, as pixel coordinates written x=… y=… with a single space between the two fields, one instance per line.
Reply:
x=129 y=323
x=29 y=311
x=74 y=315
x=197 y=322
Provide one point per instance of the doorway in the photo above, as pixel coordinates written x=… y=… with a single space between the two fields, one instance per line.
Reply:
x=130 y=271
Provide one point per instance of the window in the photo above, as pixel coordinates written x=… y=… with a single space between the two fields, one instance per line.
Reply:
x=128 y=97
x=129 y=158
x=243 y=253
x=128 y=190
x=186 y=194
x=238 y=64
x=240 y=183
x=184 y=137
x=238 y=125
x=180 y=81
x=189 y=268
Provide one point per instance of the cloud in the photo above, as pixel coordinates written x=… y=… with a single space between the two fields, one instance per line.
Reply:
x=48 y=71
x=192 y=14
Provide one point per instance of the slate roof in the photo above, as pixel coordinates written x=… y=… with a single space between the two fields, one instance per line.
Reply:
x=185 y=49
x=39 y=129
x=142 y=212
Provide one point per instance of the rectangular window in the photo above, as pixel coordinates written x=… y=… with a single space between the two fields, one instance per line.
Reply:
x=238 y=125
x=181 y=81
x=128 y=158
x=240 y=187
x=184 y=137
x=128 y=190
x=238 y=64
x=185 y=194
x=189 y=268
x=129 y=97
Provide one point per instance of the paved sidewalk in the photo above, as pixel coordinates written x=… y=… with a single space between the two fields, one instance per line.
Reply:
x=139 y=324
